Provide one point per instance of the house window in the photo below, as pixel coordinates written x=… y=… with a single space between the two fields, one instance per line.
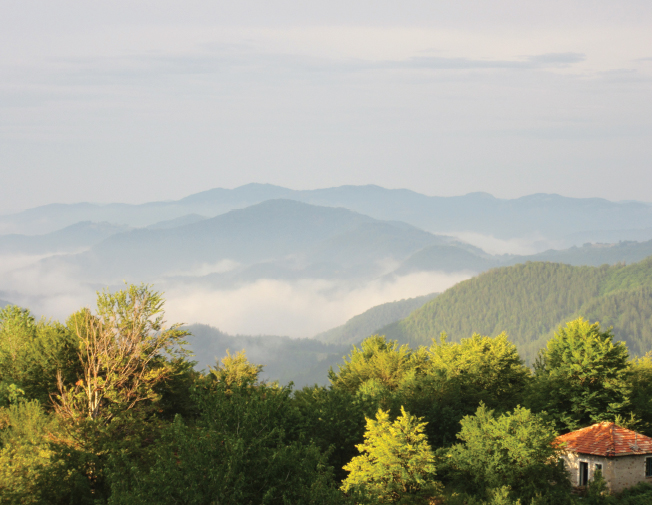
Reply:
x=648 y=467
x=598 y=466
x=584 y=473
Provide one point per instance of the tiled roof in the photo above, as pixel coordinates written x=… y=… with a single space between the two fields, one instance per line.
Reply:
x=605 y=439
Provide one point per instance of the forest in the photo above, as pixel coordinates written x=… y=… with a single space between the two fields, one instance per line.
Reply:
x=531 y=300
x=108 y=408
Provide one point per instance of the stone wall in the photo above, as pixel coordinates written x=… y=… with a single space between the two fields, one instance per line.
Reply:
x=620 y=472
x=629 y=471
x=572 y=463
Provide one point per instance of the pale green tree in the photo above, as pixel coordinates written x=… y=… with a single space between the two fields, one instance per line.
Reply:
x=236 y=370
x=396 y=464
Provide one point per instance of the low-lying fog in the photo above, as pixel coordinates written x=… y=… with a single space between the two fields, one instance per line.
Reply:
x=297 y=308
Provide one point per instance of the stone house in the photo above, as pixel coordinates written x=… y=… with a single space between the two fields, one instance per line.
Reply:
x=623 y=456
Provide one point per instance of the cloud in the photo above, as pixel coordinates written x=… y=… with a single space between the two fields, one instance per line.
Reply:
x=299 y=309
x=518 y=245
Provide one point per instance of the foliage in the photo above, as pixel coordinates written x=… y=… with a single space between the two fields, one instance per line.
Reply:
x=640 y=387
x=33 y=353
x=242 y=450
x=377 y=366
x=334 y=420
x=122 y=351
x=235 y=370
x=395 y=464
x=487 y=369
x=581 y=377
x=25 y=453
x=514 y=449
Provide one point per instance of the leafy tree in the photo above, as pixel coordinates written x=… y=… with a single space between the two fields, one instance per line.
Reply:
x=640 y=385
x=487 y=369
x=514 y=449
x=377 y=368
x=17 y=329
x=242 y=449
x=236 y=370
x=581 y=377
x=33 y=353
x=333 y=419
x=24 y=452
x=124 y=351
x=396 y=464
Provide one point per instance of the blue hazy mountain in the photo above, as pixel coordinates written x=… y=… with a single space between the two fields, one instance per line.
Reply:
x=70 y=239
x=273 y=239
x=545 y=215
x=176 y=222
x=304 y=361
x=591 y=254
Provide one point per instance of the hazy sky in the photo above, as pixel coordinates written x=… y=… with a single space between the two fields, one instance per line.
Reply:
x=143 y=100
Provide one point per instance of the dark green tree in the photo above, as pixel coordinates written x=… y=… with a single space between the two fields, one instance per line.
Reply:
x=512 y=450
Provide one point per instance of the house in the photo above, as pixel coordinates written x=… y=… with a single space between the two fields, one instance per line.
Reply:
x=623 y=456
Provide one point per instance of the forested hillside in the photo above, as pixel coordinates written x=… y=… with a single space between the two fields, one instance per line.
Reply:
x=529 y=301
x=363 y=325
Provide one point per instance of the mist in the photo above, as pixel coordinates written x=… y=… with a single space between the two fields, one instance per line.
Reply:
x=297 y=308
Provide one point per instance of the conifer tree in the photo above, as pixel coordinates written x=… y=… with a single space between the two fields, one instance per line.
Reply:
x=396 y=464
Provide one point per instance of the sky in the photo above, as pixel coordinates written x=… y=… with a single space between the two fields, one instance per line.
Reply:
x=134 y=101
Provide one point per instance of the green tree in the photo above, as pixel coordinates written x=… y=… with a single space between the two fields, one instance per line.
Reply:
x=640 y=385
x=488 y=369
x=125 y=352
x=514 y=450
x=236 y=370
x=377 y=369
x=33 y=353
x=243 y=449
x=334 y=419
x=24 y=452
x=396 y=464
x=581 y=377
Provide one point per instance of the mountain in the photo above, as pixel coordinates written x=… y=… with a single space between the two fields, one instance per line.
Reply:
x=179 y=221
x=529 y=301
x=70 y=239
x=447 y=258
x=303 y=361
x=593 y=254
x=542 y=217
x=273 y=239
x=4 y=303
x=361 y=326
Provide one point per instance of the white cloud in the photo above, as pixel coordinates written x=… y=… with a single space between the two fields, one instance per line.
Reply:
x=529 y=244
x=298 y=309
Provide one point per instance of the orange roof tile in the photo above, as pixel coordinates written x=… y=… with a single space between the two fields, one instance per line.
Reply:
x=605 y=439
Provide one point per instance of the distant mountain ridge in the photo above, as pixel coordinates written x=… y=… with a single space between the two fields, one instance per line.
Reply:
x=276 y=238
x=303 y=361
x=551 y=216
x=70 y=239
